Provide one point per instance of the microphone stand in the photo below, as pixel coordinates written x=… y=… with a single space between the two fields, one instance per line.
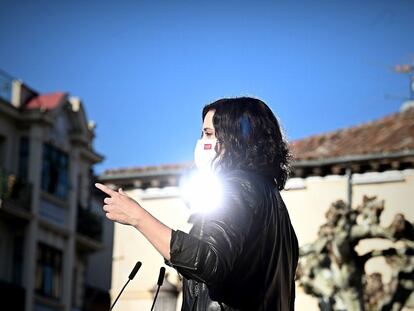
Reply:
x=130 y=277
x=159 y=283
x=119 y=294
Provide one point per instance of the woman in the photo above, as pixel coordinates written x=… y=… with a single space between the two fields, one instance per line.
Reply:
x=243 y=255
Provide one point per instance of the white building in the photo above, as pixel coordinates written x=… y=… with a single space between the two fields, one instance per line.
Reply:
x=56 y=251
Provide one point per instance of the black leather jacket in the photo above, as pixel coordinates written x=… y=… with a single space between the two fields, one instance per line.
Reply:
x=244 y=255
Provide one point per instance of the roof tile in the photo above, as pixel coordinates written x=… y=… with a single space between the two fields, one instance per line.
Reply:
x=391 y=133
x=45 y=101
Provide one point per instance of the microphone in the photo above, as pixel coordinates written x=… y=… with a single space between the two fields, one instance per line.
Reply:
x=161 y=276
x=159 y=283
x=135 y=270
x=130 y=277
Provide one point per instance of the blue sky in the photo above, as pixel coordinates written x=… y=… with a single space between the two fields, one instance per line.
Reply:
x=145 y=69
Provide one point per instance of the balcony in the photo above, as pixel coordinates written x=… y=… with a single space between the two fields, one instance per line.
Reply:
x=14 y=191
x=89 y=224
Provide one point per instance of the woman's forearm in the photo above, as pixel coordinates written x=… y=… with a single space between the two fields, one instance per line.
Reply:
x=158 y=234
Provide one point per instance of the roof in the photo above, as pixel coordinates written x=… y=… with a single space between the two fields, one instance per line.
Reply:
x=45 y=101
x=390 y=134
x=152 y=170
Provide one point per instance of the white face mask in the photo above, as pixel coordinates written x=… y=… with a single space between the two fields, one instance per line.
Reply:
x=204 y=154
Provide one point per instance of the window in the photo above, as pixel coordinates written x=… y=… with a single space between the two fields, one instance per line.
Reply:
x=48 y=271
x=55 y=171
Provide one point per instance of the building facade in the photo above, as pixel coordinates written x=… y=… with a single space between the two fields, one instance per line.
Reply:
x=52 y=235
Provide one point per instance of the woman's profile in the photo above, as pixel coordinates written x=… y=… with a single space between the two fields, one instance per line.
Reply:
x=243 y=254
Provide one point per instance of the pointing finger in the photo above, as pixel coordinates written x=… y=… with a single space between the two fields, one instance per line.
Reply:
x=105 y=189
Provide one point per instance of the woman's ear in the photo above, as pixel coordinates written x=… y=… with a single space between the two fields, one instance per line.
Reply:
x=219 y=147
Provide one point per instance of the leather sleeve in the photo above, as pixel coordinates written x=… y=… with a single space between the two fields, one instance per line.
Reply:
x=210 y=258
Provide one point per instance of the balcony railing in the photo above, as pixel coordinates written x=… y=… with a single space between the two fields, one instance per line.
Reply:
x=89 y=223
x=15 y=190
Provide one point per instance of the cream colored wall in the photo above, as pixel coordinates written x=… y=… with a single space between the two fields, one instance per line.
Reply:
x=307 y=206
x=130 y=246
x=307 y=201
x=398 y=196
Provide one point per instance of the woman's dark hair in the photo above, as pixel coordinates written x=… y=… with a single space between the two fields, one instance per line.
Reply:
x=251 y=136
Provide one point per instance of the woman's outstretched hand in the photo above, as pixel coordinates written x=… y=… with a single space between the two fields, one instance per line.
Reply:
x=120 y=207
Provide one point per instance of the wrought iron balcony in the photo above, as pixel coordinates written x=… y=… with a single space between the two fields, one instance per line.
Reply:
x=89 y=223
x=14 y=190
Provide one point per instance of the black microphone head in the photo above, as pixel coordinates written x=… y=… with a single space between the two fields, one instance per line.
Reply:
x=161 y=276
x=135 y=270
